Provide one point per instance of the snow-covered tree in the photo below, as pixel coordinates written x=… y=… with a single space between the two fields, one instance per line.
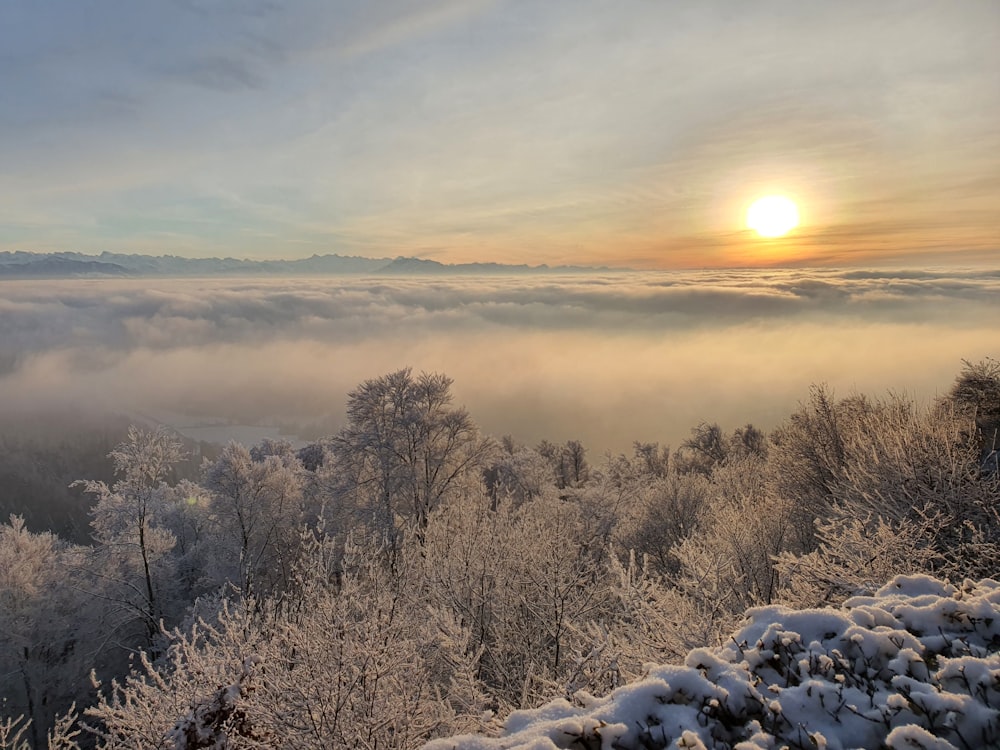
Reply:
x=349 y=659
x=49 y=635
x=709 y=446
x=744 y=527
x=520 y=474
x=663 y=512
x=568 y=461
x=405 y=447
x=906 y=464
x=526 y=579
x=133 y=542
x=257 y=509
x=807 y=456
x=188 y=516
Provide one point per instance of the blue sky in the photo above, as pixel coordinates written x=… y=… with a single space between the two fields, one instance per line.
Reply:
x=623 y=133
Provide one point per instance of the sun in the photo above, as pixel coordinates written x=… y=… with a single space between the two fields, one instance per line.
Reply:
x=772 y=216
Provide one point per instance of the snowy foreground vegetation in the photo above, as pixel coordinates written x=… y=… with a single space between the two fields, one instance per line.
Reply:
x=409 y=580
x=914 y=666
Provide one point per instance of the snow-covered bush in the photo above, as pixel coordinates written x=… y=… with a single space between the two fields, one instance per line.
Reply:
x=905 y=463
x=854 y=556
x=916 y=665
x=892 y=462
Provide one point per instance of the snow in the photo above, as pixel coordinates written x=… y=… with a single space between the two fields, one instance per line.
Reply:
x=916 y=665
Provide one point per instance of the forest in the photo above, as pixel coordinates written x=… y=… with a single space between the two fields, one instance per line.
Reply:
x=409 y=579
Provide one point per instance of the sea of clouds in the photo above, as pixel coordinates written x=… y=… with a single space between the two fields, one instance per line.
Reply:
x=604 y=358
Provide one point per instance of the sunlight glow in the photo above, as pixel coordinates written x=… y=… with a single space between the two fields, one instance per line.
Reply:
x=772 y=216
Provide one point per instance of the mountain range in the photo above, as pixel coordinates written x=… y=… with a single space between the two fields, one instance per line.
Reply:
x=21 y=264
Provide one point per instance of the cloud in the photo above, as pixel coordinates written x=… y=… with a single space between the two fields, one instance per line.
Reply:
x=165 y=314
x=605 y=358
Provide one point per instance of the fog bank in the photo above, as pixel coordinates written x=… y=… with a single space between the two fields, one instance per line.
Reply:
x=605 y=359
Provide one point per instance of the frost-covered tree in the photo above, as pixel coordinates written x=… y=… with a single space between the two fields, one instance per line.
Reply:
x=559 y=585
x=650 y=459
x=350 y=659
x=49 y=635
x=869 y=468
x=526 y=579
x=568 y=461
x=465 y=566
x=706 y=448
x=727 y=565
x=133 y=541
x=405 y=447
x=709 y=446
x=663 y=513
x=188 y=516
x=519 y=474
x=807 y=456
x=257 y=509
x=906 y=464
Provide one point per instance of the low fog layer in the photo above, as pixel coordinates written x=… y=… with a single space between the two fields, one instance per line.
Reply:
x=605 y=359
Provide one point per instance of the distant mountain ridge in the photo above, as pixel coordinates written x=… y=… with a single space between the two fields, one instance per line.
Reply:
x=21 y=264
x=56 y=266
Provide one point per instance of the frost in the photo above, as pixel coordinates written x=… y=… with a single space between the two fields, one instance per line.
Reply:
x=915 y=666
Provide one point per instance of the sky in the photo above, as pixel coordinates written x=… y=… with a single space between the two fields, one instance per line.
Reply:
x=628 y=133
x=604 y=358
